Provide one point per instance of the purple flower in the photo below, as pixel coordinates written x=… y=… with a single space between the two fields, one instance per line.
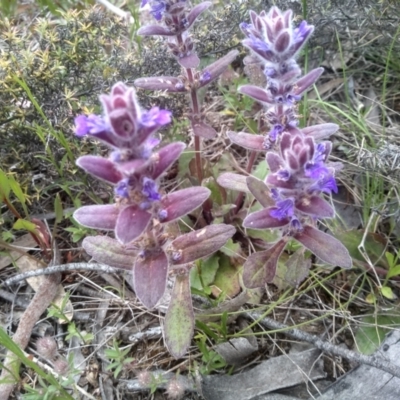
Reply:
x=90 y=125
x=325 y=185
x=156 y=117
x=284 y=209
x=122 y=188
x=150 y=189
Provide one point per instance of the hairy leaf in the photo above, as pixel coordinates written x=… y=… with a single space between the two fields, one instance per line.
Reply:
x=150 y=277
x=179 y=319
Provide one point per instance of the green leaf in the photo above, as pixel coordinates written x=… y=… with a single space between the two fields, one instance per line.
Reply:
x=16 y=188
x=23 y=224
x=4 y=185
x=184 y=160
x=394 y=271
x=387 y=292
x=216 y=190
x=370 y=335
x=231 y=249
x=375 y=245
x=227 y=278
x=203 y=274
x=179 y=319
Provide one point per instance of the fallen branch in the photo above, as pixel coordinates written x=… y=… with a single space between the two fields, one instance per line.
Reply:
x=41 y=300
x=103 y=268
x=326 y=347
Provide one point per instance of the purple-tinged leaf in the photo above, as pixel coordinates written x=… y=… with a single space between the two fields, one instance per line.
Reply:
x=274 y=161
x=260 y=191
x=165 y=157
x=198 y=244
x=257 y=93
x=316 y=207
x=177 y=204
x=167 y=83
x=131 y=167
x=196 y=11
x=106 y=250
x=204 y=130
x=189 y=61
x=150 y=278
x=100 y=167
x=214 y=70
x=263 y=220
x=282 y=42
x=260 y=268
x=131 y=223
x=154 y=30
x=247 y=140
x=274 y=180
x=307 y=81
x=98 y=216
x=320 y=131
x=179 y=319
x=324 y=246
x=229 y=180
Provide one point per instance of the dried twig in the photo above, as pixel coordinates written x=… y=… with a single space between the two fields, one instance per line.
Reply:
x=42 y=299
x=326 y=347
x=103 y=268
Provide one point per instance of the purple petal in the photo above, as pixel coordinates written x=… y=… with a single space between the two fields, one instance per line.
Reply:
x=165 y=157
x=316 y=207
x=100 y=167
x=198 y=244
x=150 y=189
x=150 y=278
x=325 y=185
x=257 y=93
x=131 y=223
x=247 y=140
x=307 y=81
x=167 y=83
x=196 y=11
x=182 y=202
x=90 y=125
x=98 y=216
x=156 y=118
x=263 y=220
x=154 y=30
x=215 y=69
x=260 y=268
x=283 y=209
x=324 y=246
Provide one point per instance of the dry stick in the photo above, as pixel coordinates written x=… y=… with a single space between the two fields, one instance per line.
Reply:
x=104 y=268
x=326 y=347
x=41 y=300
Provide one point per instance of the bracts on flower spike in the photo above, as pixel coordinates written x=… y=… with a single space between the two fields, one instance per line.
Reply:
x=299 y=175
x=141 y=211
